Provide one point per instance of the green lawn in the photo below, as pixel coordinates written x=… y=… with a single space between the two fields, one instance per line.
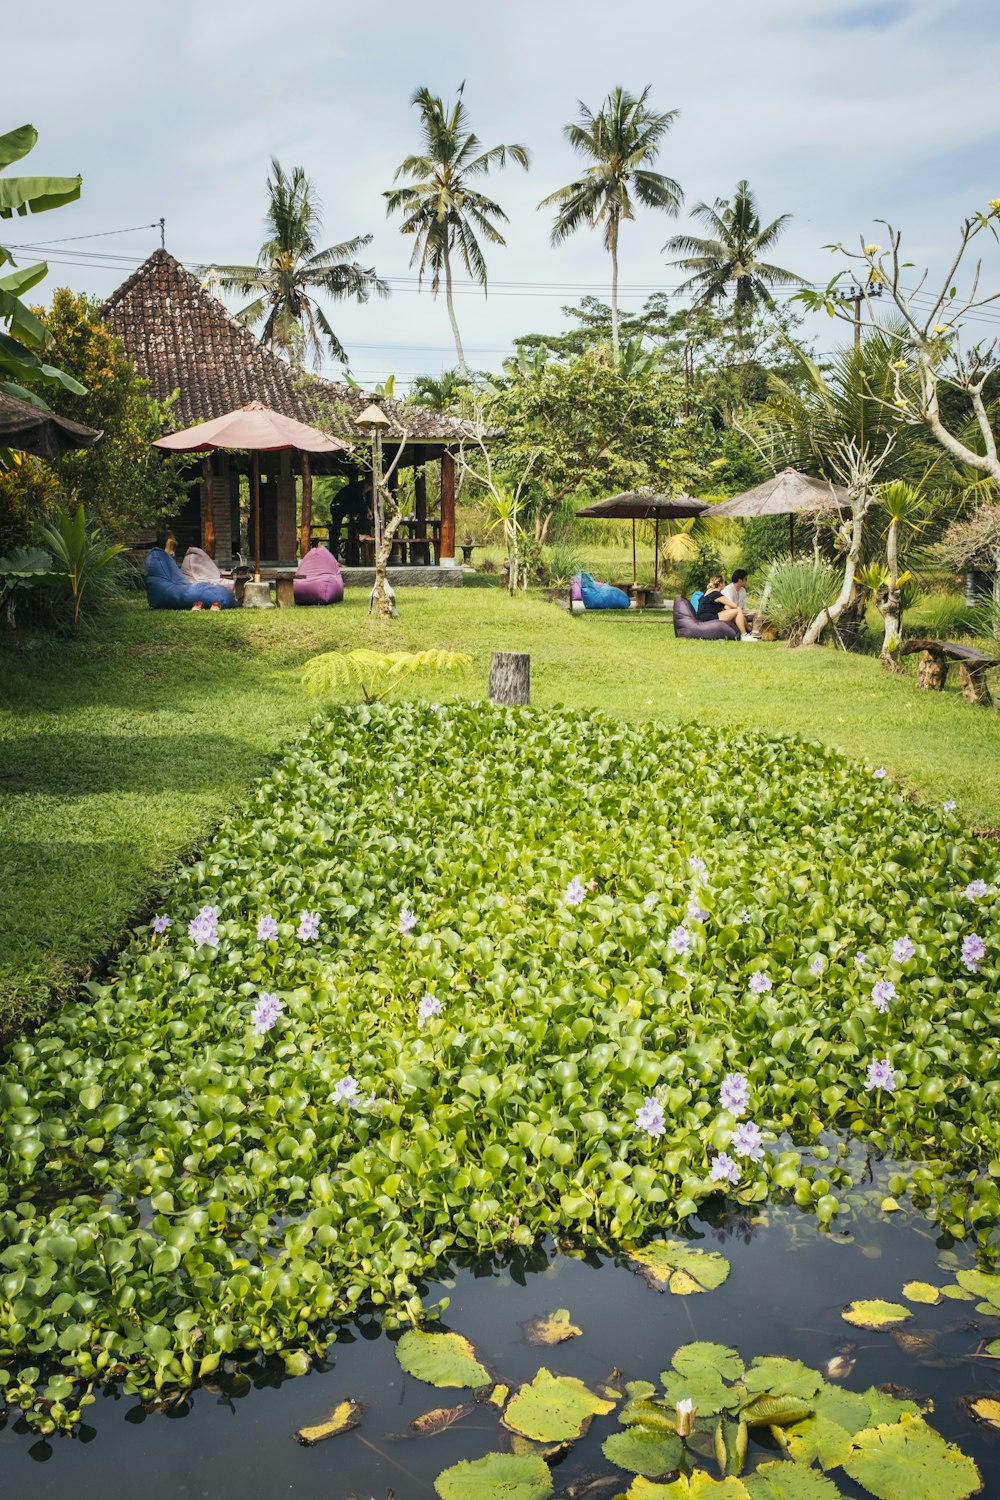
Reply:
x=119 y=753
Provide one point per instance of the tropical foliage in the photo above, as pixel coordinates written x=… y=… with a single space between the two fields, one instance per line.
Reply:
x=440 y=205
x=291 y=272
x=730 y=264
x=350 y=1048
x=621 y=141
x=81 y=559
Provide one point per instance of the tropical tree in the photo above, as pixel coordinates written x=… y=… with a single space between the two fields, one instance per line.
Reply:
x=622 y=140
x=440 y=207
x=290 y=271
x=438 y=392
x=729 y=263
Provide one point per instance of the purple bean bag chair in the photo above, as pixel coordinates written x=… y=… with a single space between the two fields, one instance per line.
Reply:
x=690 y=628
x=318 y=580
x=197 y=566
x=167 y=587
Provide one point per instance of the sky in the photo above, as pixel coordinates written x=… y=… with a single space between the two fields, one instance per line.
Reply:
x=838 y=113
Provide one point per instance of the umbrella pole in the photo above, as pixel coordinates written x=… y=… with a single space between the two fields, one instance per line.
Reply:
x=791 y=535
x=656 y=565
x=256 y=517
x=634 y=578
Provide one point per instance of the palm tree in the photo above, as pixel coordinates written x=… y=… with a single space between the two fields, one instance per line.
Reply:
x=622 y=139
x=289 y=268
x=730 y=262
x=441 y=209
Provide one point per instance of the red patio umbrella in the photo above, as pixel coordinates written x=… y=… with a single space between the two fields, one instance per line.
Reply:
x=255 y=429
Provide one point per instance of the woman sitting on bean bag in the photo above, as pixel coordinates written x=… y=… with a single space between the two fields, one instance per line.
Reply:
x=167 y=588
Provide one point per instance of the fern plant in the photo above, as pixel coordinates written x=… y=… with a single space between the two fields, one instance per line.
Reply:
x=377 y=673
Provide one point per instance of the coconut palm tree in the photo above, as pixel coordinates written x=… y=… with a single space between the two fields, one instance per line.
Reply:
x=440 y=207
x=290 y=270
x=622 y=140
x=730 y=262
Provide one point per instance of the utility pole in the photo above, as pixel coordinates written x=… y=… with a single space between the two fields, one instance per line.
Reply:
x=858 y=296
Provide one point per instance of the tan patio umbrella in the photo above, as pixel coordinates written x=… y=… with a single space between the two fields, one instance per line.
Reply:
x=789 y=493
x=635 y=505
x=255 y=429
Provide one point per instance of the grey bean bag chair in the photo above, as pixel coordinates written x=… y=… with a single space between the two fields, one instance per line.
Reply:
x=198 y=567
x=690 y=628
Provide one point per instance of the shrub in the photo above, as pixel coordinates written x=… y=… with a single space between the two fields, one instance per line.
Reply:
x=699 y=570
x=796 y=592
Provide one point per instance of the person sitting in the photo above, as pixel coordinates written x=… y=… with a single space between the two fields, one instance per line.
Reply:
x=735 y=592
x=166 y=586
x=713 y=605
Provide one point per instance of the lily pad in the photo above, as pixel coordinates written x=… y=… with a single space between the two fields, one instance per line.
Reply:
x=641 y=1451
x=781 y=1481
x=922 y=1291
x=875 y=1313
x=697 y=1486
x=345 y=1415
x=705 y=1387
x=818 y=1440
x=982 y=1284
x=553 y=1407
x=984 y=1409
x=886 y=1407
x=498 y=1476
x=438 y=1420
x=782 y=1377
x=551 y=1328
x=681 y=1269
x=909 y=1461
x=691 y=1358
x=441 y=1359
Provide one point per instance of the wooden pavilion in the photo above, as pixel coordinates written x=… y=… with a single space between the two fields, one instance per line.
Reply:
x=182 y=339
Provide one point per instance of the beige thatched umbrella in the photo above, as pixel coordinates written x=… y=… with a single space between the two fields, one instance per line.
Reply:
x=789 y=493
x=634 y=506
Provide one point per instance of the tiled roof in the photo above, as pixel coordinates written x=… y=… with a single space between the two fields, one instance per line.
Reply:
x=180 y=337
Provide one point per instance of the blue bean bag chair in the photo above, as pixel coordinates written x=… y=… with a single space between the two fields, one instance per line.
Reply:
x=601 y=595
x=167 y=588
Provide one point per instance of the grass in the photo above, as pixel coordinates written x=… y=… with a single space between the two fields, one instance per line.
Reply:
x=119 y=753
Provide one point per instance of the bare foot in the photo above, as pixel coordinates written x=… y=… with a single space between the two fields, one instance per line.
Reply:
x=198 y=605
x=216 y=606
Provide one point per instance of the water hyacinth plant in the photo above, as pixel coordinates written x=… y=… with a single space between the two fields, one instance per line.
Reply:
x=195 y=1175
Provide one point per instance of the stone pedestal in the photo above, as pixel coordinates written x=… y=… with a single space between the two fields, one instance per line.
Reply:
x=257 y=595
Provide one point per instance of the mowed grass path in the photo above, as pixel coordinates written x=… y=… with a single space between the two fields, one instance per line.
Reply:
x=119 y=753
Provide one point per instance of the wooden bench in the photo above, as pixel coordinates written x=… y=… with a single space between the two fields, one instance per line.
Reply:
x=937 y=656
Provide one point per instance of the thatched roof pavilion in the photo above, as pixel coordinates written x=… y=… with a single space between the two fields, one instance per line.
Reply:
x=182 y=339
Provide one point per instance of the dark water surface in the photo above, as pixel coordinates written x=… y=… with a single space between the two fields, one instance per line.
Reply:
x=784 y=1295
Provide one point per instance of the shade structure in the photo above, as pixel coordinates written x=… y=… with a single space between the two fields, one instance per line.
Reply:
x=789 y=493
x=636 y=505
x=26 y=429
x=254 y=429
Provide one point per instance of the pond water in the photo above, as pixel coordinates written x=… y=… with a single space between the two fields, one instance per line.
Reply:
x=784 y=1295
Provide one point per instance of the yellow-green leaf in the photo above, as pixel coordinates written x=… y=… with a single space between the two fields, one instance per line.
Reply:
x=551 y=1328
x=875 y=1313
x=440 y=1358
x=909 y=1461
x=345 y=1415
x=922 y=1291
x=553 y=1407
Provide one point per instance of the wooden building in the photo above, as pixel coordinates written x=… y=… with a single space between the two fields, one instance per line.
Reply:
x=183 y=340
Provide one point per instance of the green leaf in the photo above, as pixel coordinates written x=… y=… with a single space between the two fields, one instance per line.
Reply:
x=782 y=1377
x=691 y=1359
x=441 y=1359
x=553 y=1407
x=875 y=1314
x=909 y=1461
x=699 y=1486
x=551 y=1328
x=643 y=1452
x=819 y=1440
x=922 y=1291
x=981 y=1284
x=681 y=1269
x=498 y=1476
x=784 y=1481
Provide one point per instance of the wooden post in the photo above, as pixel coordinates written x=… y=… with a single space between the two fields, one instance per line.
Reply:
x=446 y=547
x=510 y=678
x=305 y=527
x=974 y=688
x=207 y=506
x=933 y=671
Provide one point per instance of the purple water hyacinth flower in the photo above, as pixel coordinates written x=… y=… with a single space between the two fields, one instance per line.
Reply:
x=696 y=912
x=724 y=1169
x=267 y=928
x=880 y=1076
x=308 y=927
x=649 y=901
x=407 y=921
x=734 y=1094
x=747 y=1141
x=817 y=966
x=679 y=940
x=950 y=805
x=650 y=1116
x=574 y=892
x=883 y=990
x=878 y=773
x=266 y=1013
x=860 y=960
x=760 y=982
x=160 y=924
x=903 y=948
x=429 y=1006
x=202 y=928
x=973 y=952
x=697 y=864
x=974 y=890
x=746 y=915
x=346 y=1090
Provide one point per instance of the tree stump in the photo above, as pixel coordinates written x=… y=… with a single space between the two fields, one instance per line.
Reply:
x=933 y=671
x=974 y=687
x=510 y=678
